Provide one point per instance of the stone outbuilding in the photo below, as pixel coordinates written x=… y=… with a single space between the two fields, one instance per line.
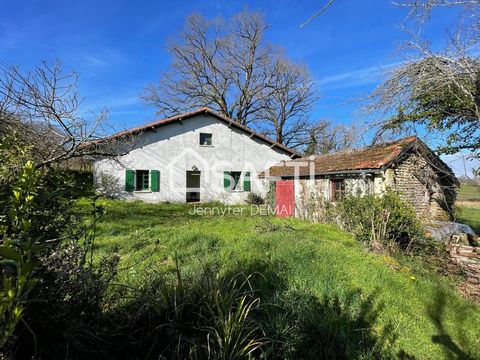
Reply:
x=406 y=166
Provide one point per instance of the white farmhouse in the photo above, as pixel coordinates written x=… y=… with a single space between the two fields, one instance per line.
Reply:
x=197 y=156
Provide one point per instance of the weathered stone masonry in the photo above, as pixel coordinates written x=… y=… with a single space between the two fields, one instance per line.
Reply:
x=419 y=184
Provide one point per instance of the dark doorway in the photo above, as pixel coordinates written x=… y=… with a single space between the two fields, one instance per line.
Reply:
x=193 y=186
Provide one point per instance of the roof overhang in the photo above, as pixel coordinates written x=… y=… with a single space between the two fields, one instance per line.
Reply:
x=205 y=111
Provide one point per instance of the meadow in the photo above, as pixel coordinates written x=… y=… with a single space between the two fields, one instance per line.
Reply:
x=468 y=202
x=319 y=288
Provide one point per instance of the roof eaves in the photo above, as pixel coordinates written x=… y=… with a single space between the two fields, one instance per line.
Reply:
x=205 y=110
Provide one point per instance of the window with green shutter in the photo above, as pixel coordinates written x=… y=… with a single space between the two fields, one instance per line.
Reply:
x=246 y=181
x=155 y=180
x=231 y=180
x=142 y=180
x=129 y=180
x=226 y=180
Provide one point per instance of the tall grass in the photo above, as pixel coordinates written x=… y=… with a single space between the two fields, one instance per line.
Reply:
x=319 y=295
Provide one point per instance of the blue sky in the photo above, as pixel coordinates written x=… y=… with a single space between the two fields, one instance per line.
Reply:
x=118 y=47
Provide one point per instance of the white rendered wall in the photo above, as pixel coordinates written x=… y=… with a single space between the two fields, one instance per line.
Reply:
x=173 y=149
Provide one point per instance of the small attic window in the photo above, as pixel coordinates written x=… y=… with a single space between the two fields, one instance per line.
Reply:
x=205 y=139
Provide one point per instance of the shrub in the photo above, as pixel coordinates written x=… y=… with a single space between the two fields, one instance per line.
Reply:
x=380 y=222
x=107 y=185
x=270 y=198
x=46 y=253
x=204 y=317
x=313 y=206
x=83 y=182
x=255 y=199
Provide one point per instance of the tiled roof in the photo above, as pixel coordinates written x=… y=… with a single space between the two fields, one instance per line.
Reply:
x=204 y=110
x=368 y=158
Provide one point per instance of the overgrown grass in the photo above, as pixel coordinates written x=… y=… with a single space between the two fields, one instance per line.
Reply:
x=321 y=293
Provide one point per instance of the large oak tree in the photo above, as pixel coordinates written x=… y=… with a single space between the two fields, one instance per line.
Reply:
x=229 y=67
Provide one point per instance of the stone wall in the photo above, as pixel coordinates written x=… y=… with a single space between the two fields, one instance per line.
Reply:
x=417 y=182
x=414 y=178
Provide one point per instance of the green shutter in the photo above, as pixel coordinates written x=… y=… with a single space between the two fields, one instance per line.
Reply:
x=246 y=181
x=155 y=180
x=129 y=180
x=226 y=180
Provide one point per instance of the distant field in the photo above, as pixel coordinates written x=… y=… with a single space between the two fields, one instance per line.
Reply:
x=471 y=217
x=469 y=192
x=468 y=201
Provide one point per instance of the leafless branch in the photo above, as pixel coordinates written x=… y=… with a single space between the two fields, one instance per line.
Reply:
x=317 y=14
x=42 y=108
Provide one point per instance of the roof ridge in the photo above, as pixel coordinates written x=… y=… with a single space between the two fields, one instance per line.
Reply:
x=411 y=139
x=206 y=110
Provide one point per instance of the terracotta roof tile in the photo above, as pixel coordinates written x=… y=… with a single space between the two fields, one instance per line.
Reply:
x=204 y=110
x=368 y=158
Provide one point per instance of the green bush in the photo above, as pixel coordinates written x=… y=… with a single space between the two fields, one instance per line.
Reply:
x=45 y=252
x=82 y=182
x=381 y=222
x=255 y=199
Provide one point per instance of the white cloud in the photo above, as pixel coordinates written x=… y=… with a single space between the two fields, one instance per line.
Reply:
x=104 y=57
x=366 y=76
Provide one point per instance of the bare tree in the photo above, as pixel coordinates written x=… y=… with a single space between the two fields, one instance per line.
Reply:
x=42 y=108
x=216 y=65
x=288 y=104
x=229 y=68
x=325 y=138
x=435 y=90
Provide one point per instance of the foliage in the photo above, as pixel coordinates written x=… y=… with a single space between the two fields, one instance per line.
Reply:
x=107 y=185
x=69 y=298
x=324 y=138
x=41 y=107
x=270 y=198
x=206 y=316
x=429 y=101
x=82 y=182
x=255 y=199
x=436 y=89
x=313 y=206
x=17 y=249
x=380 y=222
x=44 y=250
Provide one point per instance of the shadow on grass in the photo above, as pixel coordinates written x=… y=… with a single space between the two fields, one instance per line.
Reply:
x=299 y=325
x=168 y=319
x=436 y=312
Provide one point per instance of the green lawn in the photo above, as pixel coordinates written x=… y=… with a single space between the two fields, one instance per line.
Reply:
x=313 y=266
x=469 y=192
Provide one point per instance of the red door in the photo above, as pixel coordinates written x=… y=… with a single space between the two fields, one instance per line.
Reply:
x=285 y=195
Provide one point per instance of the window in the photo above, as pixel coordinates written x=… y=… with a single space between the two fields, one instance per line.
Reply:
x=338 y=189
x=232 y=181
x=235 y=185
x=141 y=180
x=205 y=139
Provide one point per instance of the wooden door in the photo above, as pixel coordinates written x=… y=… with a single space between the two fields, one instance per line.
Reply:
x=285 y=196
